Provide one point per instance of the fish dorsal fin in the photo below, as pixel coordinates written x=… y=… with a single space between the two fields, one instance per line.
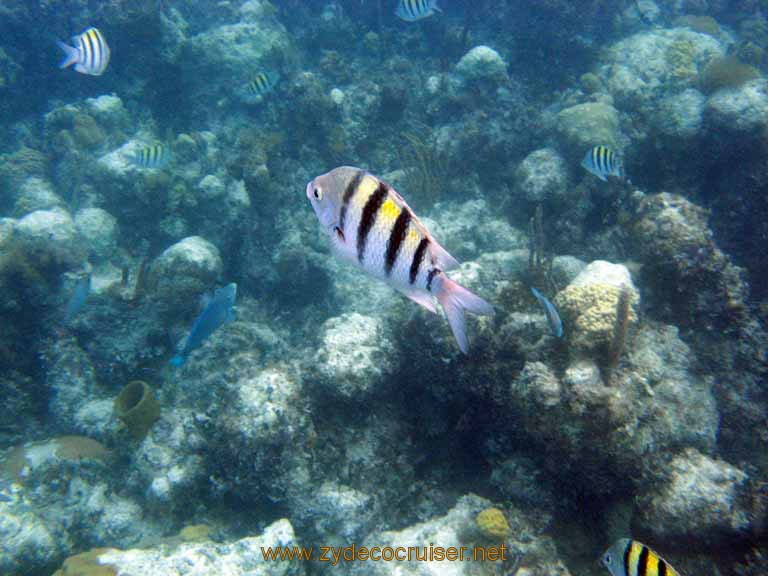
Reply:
x=440 y=256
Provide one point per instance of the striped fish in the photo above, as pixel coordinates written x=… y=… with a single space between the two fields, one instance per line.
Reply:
x=90 y=53
x=262 y=84
x=153 y=156
x=602 y=162
x=413 y=10
x=372 y=226
x=631 y=558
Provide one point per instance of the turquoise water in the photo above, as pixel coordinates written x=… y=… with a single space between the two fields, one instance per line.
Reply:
x=608 y=155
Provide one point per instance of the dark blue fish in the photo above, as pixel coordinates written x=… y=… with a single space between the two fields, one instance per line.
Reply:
x=555 y=324
x=77 y=299
x=217 y=313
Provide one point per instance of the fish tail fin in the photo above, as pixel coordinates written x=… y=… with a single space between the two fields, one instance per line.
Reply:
x=455 y=299
x=71 y=54
x=178 y=360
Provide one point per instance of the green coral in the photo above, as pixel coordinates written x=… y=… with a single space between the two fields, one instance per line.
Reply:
x=726 y=72
x=492 y=524
x=87 y=564
x=680 y=59
x=590 y=310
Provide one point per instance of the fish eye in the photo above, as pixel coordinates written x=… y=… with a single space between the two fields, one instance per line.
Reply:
x=318 y=193
x=607 y=559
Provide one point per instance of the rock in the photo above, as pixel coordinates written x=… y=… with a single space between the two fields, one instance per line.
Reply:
x=185 y=270
x=36 y=194
x=49 y=237
x=27 y=541
x=699 y=501
x=457 y=528
x=341 y=513
x=586 y=125
x=356 y=355
x=99 y=229
x=238 y=558
x=482 y=62
x=542 y=176
x=588 y=304
x=681 y=115
x=109 y=111
x=743 y=110
x=642 y=69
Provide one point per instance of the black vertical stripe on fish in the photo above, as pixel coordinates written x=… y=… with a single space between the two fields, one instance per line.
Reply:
x=594 y=157
x=662 y=568
x=368 y=218
x=91 y=63
x=431 y=276
x=396 y=238
x=642 y=562
x=348 y=193
x=627 y=553
x=97 y=47
x=603 y=159
x=418 y=256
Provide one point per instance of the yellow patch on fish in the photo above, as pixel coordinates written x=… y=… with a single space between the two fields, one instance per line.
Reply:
x=389 y=212
x=364 y=191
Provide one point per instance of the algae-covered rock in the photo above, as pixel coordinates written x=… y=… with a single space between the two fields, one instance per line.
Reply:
x=49 y=237
x=700 y=499
x=36 y=194
x=458 y=528
x=241 y=557
x=589 y=304
x=482 y=62
x=542 y=176
x=743 y=109
x=186 y=270
x=99 y=229
x=356 y=355
x=586 y=125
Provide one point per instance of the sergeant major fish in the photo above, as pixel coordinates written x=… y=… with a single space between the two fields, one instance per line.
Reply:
x=153 y=156
x=413 y=10
x=631 y=558
x=371 y=225
x=602 y=162
x=90 y=53
x=217 y=313
x=263 y=83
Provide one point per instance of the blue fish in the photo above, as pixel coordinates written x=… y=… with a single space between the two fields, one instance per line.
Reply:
x=555 y=324
x=217 y=313
x=77 y=299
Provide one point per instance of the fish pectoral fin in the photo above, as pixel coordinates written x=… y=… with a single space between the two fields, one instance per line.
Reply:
x=422 y=299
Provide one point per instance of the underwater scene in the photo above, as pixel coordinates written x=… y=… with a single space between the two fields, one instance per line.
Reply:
x=384 y=287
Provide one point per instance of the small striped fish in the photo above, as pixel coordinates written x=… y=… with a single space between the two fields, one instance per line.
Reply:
x=602 y=162
x=372 y=226
x=413 y=10
x=90 y=53
x=631 y=558
x=154 y=156
x=262 y=84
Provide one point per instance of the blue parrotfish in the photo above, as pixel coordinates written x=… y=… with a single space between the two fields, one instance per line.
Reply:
x=370 y=225
x=77 y=298
x=90 y=53
x=218 y=312
x=553 y=318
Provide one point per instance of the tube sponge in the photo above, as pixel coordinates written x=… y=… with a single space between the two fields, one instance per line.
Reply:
x=137 y=407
